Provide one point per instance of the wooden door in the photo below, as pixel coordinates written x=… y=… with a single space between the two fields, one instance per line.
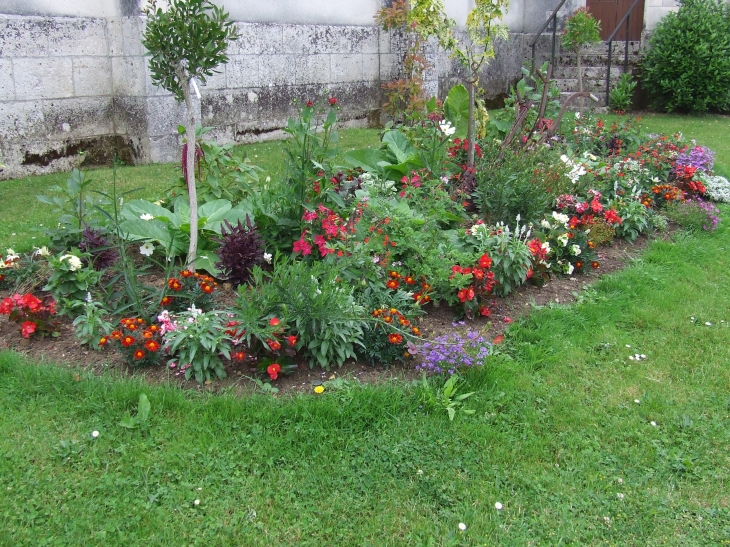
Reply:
x=610 y=12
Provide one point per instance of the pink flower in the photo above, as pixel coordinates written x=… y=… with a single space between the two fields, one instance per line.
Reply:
x=507 y=319
x=309 y=216
x=302 y=246
x=332 y=101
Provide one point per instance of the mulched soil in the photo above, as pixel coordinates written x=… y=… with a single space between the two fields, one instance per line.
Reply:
x=66 y=351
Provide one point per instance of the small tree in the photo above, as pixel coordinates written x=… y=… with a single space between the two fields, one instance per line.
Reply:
x=581 y=29
x=187 y=41
x=474 y=52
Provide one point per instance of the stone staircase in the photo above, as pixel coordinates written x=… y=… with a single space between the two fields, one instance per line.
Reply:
x=594 y=61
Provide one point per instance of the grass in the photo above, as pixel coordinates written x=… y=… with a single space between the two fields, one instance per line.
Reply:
x=24 y=217
x=556 y=437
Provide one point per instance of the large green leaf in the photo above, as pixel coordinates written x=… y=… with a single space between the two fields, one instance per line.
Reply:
x=456 y=109
x=399 y=145
x=134 y=210
x=367 y=159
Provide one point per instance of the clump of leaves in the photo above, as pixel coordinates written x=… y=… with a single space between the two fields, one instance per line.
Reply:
x=601 y=232
x=622 y=95
x=98 y=245
x=241 y=249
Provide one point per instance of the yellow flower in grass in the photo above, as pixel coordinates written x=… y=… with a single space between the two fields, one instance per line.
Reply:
x=319 y=389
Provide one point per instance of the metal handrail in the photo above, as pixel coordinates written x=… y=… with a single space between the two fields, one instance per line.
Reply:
x=626 y=18
x=552 y=18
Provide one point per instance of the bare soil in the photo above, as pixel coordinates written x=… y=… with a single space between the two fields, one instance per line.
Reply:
x=66 y=351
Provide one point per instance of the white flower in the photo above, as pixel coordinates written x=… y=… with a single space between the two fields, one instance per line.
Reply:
x=653 y=424
x=569 y=269
x=577 y=115
x=146 y=216
x=43 y=251
x=419 y=472
x=498 y=506
x=74 y=262
x=11 y=255
x=620 y=480
x=575 y=249
x=545 y=224
x=620 y=496
x=447 y=129
x=631 y=357
x=563 y=240
x=196 y=502
x=95 y=434
x=546 y=247
x=88 y=297
x=267 y=258
x=147 y=249
x=563 y=219
x=708 y=323
x=462 y=526
x=637 y=401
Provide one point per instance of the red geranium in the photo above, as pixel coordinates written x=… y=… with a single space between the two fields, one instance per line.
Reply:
x=273 y=370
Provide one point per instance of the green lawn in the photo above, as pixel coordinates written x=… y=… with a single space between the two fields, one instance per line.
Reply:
x=578 y=442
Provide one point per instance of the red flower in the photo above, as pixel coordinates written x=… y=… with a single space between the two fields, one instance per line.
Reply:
x=594 y=265
x=485 y=262
x=128 y=341
x=462 y=295
x=273 y=370
x=392 y=284
x=152 y=345
x=207 y=289
x=498 y=339
x=166 y=300
x=27 y=328
x=274 y=345
x=409 y=280
x=332 y=101
x=174 y=284
x=116 y=335
x=507 y=319
x=394 y=338
x=612 y=217
x=274 y=322
x=238 y=356
x=302 y=246
x=291 y=340
x=103 y=341
x=186 y=273
x=7 y=306
x=485 y=311
x=310 y=104
x=139 y=354
x=31 y=302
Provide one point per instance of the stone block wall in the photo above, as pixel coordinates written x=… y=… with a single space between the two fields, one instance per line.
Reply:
x=76 y=84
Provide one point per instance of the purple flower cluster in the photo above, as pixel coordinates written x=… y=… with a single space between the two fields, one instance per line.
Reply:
x=699 y=157
x=451 y=351
x=713 y=214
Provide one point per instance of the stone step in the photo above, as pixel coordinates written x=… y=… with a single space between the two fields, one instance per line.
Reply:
x=590 y=84
x=596 y=106
x=594 y=72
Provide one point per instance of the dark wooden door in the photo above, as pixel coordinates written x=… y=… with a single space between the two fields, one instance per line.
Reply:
x=610 y=12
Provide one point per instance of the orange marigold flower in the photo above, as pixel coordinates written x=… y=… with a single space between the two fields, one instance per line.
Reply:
x=207 y=289
x=152 y=345
x=174 y=284
x=147 y=334
x=392 y=284
x=594 y=265
x=166 y=300
x=128 y=341
x=103 y=341
x=395 y=338
x=186 y=273
x=416 y=331
x=139 y=354
x=116 y=335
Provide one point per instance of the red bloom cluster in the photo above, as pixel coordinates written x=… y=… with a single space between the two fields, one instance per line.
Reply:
x=477 y=283
x=333 y=227
x=189 y=288
x=32 y=314
x=139 y=342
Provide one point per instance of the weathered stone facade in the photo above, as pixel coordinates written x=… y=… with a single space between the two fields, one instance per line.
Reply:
x=81 y=83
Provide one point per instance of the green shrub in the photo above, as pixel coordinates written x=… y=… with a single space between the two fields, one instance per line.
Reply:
x=622 y=95
x=687 y=66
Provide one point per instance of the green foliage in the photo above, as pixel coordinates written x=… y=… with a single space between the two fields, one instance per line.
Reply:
x=90 y=325
x=141 y=420
x=187 y=40
x=445 y=398
x=76 y=208
x=687 y=66
x=524 y=183
x=581 y=29
x=622 y=95
x=634 y=217
x=71 y=281
x=318 y=307
x=200 y=341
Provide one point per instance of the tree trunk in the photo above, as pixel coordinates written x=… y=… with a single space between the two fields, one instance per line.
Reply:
x=580 y=83
x=470 y=125
x=190 y=167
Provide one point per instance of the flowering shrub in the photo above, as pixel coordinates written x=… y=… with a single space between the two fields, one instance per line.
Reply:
x=70 y=280
x=187 y=288
x=197 y=341
x=138 y=342
x=566 y=248
x=717 y=188
x=694 y=214
x=451 y=352
x=473 y=284
x=698 y=157
x=32 y=314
